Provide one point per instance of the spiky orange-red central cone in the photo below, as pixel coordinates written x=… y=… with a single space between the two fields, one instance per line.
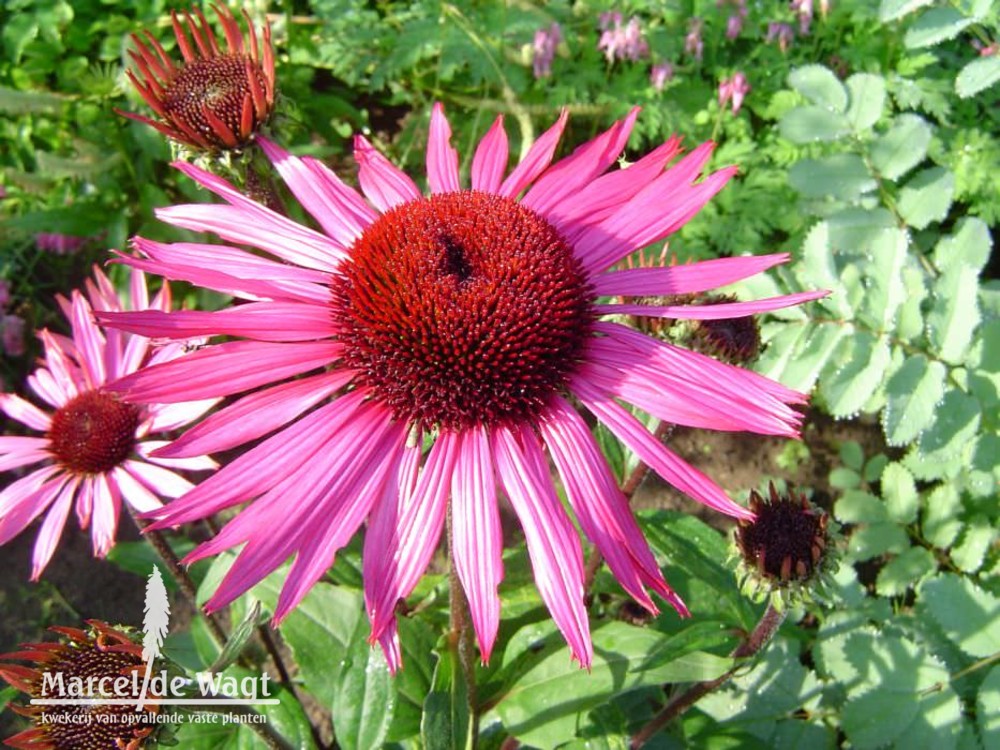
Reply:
x=462 y=309
x=93 y=433
x=220 y=85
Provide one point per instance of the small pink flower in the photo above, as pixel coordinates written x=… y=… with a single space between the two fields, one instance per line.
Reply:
x=803 y=10
x=985 y=50
x=734 y=89
x=59 y=244
x=544 y=49
x=4 y=294
x=423 y=354
x=609 y=18
x=12 y=335
x=94 y=449
x=693 y=43
x=734 y=25
x=782 y=33
x=660 y=73
x=623 y=42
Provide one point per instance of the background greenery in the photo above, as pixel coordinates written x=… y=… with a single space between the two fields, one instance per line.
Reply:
x=868 y=148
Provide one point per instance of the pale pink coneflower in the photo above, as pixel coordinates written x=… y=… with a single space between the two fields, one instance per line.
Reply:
x=467 y=322
x=94 y=450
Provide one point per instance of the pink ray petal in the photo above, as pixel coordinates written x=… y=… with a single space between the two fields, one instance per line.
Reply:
x=685 y=279
x=29 y=504
x=85 y=502
x=89 y=339
x=490 y=160
x=384 y=184
x=44 y=386
x=442 y=158
x=160 y=480
x=477 y=539
x=107 y=506
x=418 y=528
x=553 y=545
x=16 y=492
x=258 y=414
x=389 y=641
x=16 y=459
x=24 y=412
x=338 y=209
x=720 y=311
x=537 y=159
x=224 y=369
x=67 y=380
x=52 y=528
x=657 y=456
x=600 y=506
x=169 y=417
x=135 y=492
x=568 y=176
x=194 y=463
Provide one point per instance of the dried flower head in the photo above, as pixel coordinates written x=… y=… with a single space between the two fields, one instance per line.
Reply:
x=786 y=549
x=215 y=99
x=733 y=340
x=92 y=659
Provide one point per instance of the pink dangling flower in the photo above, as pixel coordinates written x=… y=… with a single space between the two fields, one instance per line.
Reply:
x=424 y=353
x=94 y=449
x=660 y=73
x=544 y=50
x=734 y=89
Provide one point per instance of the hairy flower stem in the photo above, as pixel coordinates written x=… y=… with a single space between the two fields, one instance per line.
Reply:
x=759 y=637
x=462 y=640
x=632 y=482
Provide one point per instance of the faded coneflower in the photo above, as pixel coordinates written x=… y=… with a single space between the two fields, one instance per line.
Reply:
x=99 y=663
x=94 y=448
x=466 y=321
x=214 y=99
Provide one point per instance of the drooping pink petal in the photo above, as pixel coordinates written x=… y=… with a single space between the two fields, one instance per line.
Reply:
x=169 y=417
x=442 y=158
x=657 y=456
x=85 y=501
x=159 y=479
x=15 y=493
x=24 y=412
x=135 y=492
x=52 y=528
x=18 y=450
x=28 y=502
x=553 y=545
x=107 y=506
x=490 y=160
x=537 y=159
x=260 y=321
x=338 y=209
x=720 y=311
x=224 y=369
x=257 y=414
x=568 y=176
x=194 y=463
x=689 y=278
x=418 y=526
x=383 y=183
x=600 y=507
x=477 y=539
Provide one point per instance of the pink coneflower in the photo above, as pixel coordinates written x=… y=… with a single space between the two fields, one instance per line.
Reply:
x=544 y=49
x=469 y=320
x=95 y=449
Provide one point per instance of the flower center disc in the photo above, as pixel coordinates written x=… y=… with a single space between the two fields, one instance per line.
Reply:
x=220 y=85
x=462 y=309
x=93 y=433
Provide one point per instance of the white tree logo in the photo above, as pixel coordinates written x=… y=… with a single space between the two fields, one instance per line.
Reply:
x=154 y=626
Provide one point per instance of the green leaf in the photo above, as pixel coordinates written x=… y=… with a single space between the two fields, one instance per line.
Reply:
x=890 y=10
x=858 y=506
x=848 y=388
x=970 y=552
x=238 y=639
x=886 y=291
x=910 y=320
x=969 y=245
x=902 y=147
x=843 y=176
x=877 y=539
x=811 y=357
x=968 y=614
x=934 y=26
x=988 y=708
x=955 y=313
x=913 y=393
x=844 y=479
x=900 y=493
x=812 y=124
x=954 y=428
x=977 y=75
x=853 y=230
x=820 y=86
x=852 y=455
x=364 y=695
x=867 y=99
x=446 y=723
x=905 y=571
x=926 y=197
x=545 y=704
x=940 y=523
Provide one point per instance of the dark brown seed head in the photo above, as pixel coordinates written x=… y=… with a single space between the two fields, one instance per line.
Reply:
x=93 y=433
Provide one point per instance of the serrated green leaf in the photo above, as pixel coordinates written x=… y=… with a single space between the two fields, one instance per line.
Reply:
x=858 y=506
x=913 y=393
x=852 y=455
x=955 y=313
x=977 y=76
x=969 y=245
x=969 y=615
x=818 y=269
x=544 y=705
x=902 y=147
x=874 y=467
x=970 y=552
x=936 y=25
x=853 y=230
x=844 y=479
x=900 y=493
x=886 y=291
x=867 y=100
x=890 y=10
x=812 y=124
x=905 y=571
x=940 y=523
x=988 y=708
x=877 y=539
x=926 y=197
x=843 y=176
x=910 y=318
x=811 y=357
x=852 y=384
x=954 y=427
x=820 y=86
